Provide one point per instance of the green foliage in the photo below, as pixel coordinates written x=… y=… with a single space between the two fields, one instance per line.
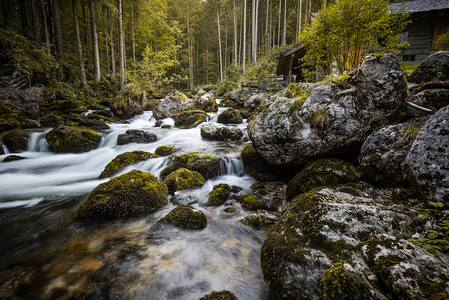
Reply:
x=436 y=238
x=319 y=119
x=409 y=68
x=347 y=30
x=266 y=66
x=443 y=41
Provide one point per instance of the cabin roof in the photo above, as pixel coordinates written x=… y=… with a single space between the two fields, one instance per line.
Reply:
x=283 y=65
x=421 y=6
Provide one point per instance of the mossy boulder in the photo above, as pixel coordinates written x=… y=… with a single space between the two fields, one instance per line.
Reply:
x=252 y=221
x=190 y=118
x=71 y=139
x=136 y=136
x=230 y=116
x=123 y=160
x=13 y=158
x=218 y=196
x=185 y=217
x=322 y=172
x=219 y=132
x=183 y=179
x=205 y=102
x=249 y=201
x=129 y=102
x=133 y=194
x=172 y=105
x=16 y=140
x=165 y=150
x=230 y=210
x=222 y=295
x=74 y=119
x=50 y=120
x=341 y=281
x=256 y=165
x=206 y=165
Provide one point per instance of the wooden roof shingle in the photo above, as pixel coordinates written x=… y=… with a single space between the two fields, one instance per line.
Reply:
x=421 y=6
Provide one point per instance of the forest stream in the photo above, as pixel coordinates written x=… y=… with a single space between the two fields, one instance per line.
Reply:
x=129 y=259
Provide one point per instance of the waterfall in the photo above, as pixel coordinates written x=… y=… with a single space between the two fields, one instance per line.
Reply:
x=232 y=166
x=37 y=142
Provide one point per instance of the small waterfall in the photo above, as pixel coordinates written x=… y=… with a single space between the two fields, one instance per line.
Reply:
x=37 y=142
x=232 y=166
x=86 y=113
x=5 y=149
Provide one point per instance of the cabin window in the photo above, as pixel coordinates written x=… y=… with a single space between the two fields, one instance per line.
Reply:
x=409 y=57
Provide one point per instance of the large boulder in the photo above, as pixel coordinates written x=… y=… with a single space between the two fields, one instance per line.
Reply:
x=230 y=116
x=185 y=217
x=183 y=179
x=254 y=101
x=219 y=195
x=220 y=132
x=172 y=105
x=427 y=163
x=80 y=120
x=136 y=136
x=130 y=195
x=165 y=150
x=333 y=119
x=123 y=160
x=18 y=109
x=383 y=153
x=321 y=228
x=428 y=97
x=256 y=165
x=190 y=118
x=205 y=102
x=16 y=140
x=71 y=139
x=322 y=172
x=129 y=102
x=206 y=165
x=435 y=66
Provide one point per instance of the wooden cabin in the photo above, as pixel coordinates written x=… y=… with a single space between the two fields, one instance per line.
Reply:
x=289 y=64
x=430 y=19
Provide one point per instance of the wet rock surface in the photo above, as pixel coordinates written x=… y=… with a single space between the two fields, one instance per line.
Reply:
x=136 y=136
x=172 y=105
x=230 y=116
x=219 y=132
x=72 y=139
x=185 y=217
x=190 y=118
x=435 y=66
x=206 y=165
x=183 y=179
x=123 y=160
x=16 y=140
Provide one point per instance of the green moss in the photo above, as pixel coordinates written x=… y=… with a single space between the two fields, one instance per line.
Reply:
x=341 y=283
x=319 y=119
x=72 y=139
x=322 y=172
x=189 y=119
x=410 y=132
x=222 y=295
x=230 y=210
x=165 y=150
x=223 y=186
x=16 y=140
x=218 y=196
x=185 y=217
x=230 y=116
x=183 y=179
x=252 y=220
x=436 y=239
x=249 y=201
x=206 y=165
x=133 y=194
x=256 y=166
x=257 y=185
x=123 y=160
x=10 y=158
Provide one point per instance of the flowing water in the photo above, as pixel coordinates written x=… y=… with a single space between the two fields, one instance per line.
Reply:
x=126 y=259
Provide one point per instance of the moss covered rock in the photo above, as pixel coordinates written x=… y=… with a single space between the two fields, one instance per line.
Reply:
x=221 y=132
x=16 y=140
x=249 y=201
x=74 y=119
x=183 y=179
x=206 y=165
x=223 y=295
x=123 y=160
x=173 y=104
x=256 y=165
x=50 y=120
x=205 y=102
x=230 y=116
x=322 y=172
x=218 y=196
x=130 y=195
x=129 y=102
x=341 y=281
x=13 y=158
x=190 y=118
x=252 y=221
x=72 y=139
x=230 y=210
x=165 y=150
x=185 y=217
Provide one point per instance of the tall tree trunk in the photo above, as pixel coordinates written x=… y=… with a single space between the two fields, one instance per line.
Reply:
x=58 y=32
x=133 y=37
x=219 y=45
x=111 y=40
x=37 y=24
x=226 y=44
x=298 y=31
x=121 y=44
x=93 y=23
x=279 y=24
x=23 y=17
x=284 y=36
x=235 y=39
x=244 y=38
x=43 y=9
x=256 y=33
x=253 y=30
x=6 y=12
x=189 y=46
x=267 y=26
x=78 y=45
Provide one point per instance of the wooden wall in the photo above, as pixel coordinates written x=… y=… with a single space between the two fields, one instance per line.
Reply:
x=420 y=35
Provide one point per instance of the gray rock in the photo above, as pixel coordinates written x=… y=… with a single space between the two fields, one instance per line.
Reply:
x=432 y=99
x=427 y=162
x=190 y=118
x=173 y=104
x=136 y=136
x=206 y=102
x=383 y=153
x=219 y=132
x=72 y=139
x=16 y=140
x=254 y=101
x=230 y=116
x=436 y=66
x=129 y=102
x=334 y=119
x=234 y=95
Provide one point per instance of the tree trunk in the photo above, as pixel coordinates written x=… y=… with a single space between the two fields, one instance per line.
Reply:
x=78 y=45
x=244 y=38
x=279 y=24
x=37 y=25
x=6 y=12
x=58 y=32
x=23 y=17
x=189 y=48
x=93 y=23
x=253 y=29
x=235 y=38
x=43 y=9
x=284 y=36
x=298 y=31
x=121 y=44
x=133 y=37
x=255 y=33
x=267 y=26
x=111 y=37
x=219 y=45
